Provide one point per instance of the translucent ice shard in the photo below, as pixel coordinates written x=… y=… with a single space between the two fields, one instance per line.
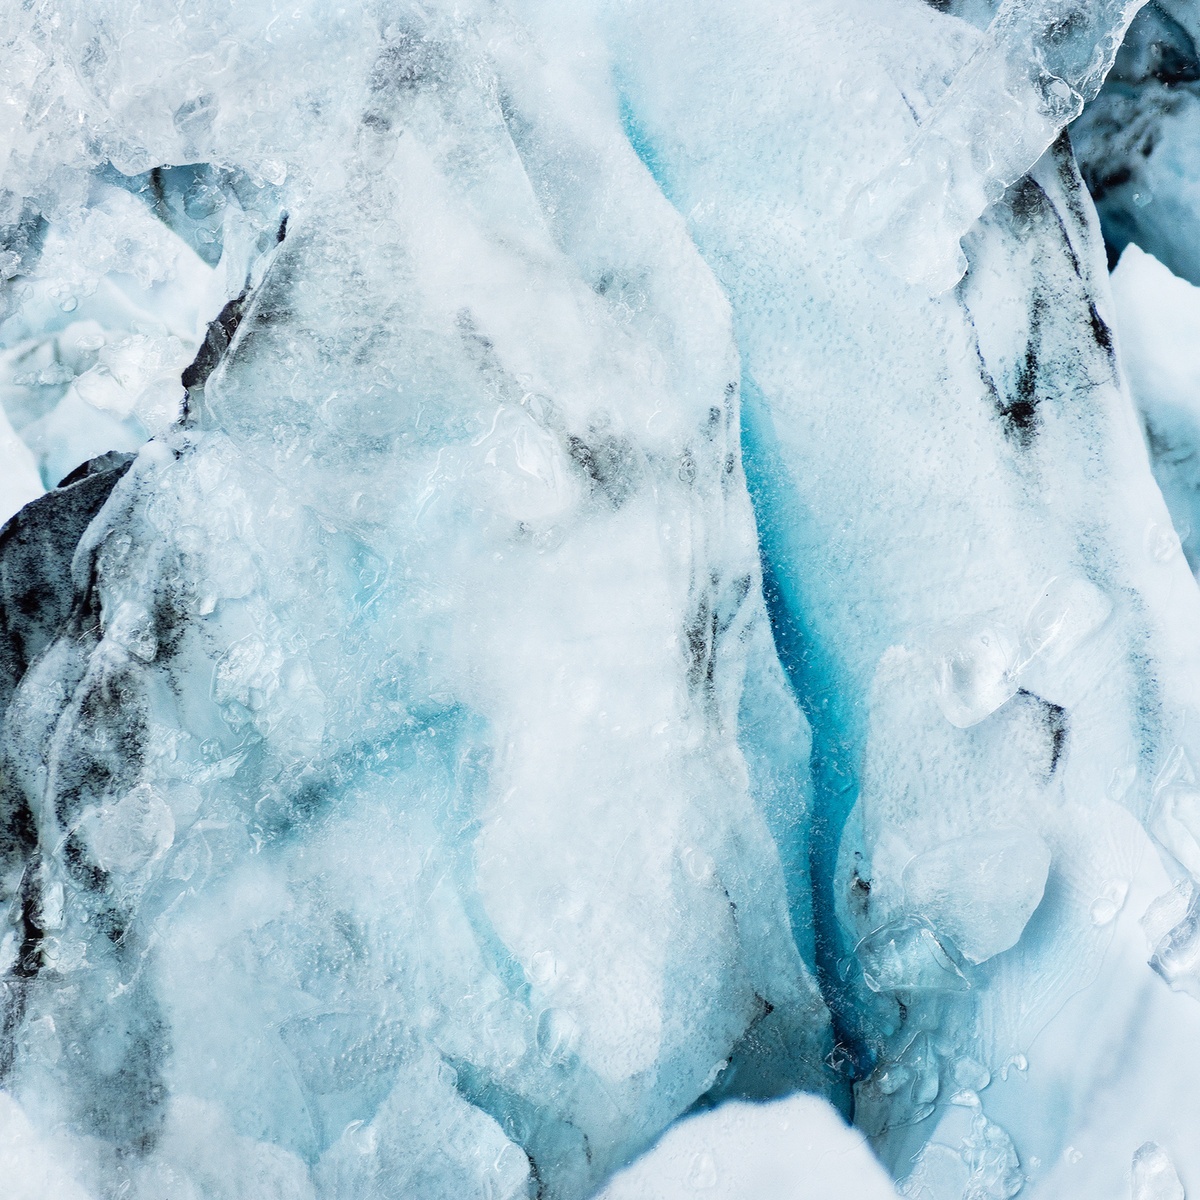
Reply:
x=1172 y=925
x=908 y=956
x=976 y=675
x=983 y=1166
x=1039 y=62
x=108 y=309
x=1154 y=1176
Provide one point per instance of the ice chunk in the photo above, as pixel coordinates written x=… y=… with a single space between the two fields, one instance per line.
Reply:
x=908 y=955
x=386 y=789
x=983 y=1166
x=976 y=676
x=111 y=310
x=1172 y=924
x=999 y=406
x=1064 y=616
x=1138 y=144
x=1154 y=1176
x=980 y=890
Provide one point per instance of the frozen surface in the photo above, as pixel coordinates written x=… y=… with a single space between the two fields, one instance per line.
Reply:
x=586 y=592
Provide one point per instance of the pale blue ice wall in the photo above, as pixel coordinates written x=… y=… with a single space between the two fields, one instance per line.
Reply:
x=971 y=568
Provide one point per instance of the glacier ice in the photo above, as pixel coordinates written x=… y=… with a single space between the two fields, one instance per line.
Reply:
x=576 y=571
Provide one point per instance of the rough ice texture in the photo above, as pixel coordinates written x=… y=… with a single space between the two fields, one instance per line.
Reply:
x=573 y=564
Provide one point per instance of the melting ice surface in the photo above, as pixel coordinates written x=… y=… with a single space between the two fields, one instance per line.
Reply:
x=595 y=592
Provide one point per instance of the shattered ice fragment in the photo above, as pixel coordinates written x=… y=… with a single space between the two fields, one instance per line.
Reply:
x=1175 y=821
x=1153 y=1175
x=971 y=1074
x=1166 y=911
x=939 y=1171
x=975 y=677
x=1064 y=616
x=980 y=890
x=1176 y=955
x=126 y=836
x=908 y=955
x=984 y=1166
x=542 y=968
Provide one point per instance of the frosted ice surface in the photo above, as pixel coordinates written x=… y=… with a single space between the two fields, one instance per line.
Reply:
x=516 y=631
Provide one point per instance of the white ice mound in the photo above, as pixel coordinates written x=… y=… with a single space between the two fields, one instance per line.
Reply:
x=793 y=1149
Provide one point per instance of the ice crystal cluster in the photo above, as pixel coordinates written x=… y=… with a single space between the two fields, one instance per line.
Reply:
x=598 y=599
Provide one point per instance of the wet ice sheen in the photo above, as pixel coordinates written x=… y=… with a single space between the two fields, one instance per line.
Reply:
x=628 y=580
